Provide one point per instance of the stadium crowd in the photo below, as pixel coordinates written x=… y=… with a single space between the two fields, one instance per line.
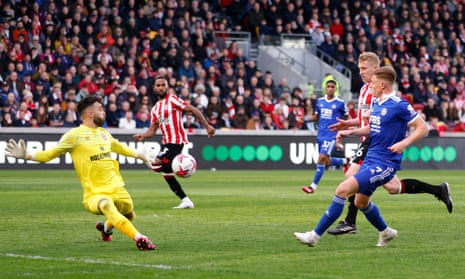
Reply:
x=52 y=53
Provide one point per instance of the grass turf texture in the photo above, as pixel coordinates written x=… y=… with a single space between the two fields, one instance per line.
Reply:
x=242 y=227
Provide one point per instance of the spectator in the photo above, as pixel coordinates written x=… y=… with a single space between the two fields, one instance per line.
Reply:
x=431 y=110
x=127 y=122
x=72 y=118
x=214 y=111
x=143 y=121
x=254 y=122
x=23 y=116
x=112 y=115
x=8 y=120
x=241 y=118
x=42 y=116
x=268 y=123
x=445 y=101
x=56 y=117
x=190 y=122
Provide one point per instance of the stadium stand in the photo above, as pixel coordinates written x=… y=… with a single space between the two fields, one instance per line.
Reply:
x=55 y=52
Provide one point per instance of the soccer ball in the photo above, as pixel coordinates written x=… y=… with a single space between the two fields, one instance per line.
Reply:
x=184 y=165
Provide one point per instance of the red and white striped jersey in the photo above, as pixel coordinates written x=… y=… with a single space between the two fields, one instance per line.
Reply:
x=167 y=112
x=365 y=100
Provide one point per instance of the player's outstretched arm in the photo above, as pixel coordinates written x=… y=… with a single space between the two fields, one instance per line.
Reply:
x=343 y=124
x=148 y=134
x=17 y=149
x=210 y=130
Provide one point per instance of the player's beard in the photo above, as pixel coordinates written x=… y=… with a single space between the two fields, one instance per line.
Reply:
x=99 y=121
x=162 y=95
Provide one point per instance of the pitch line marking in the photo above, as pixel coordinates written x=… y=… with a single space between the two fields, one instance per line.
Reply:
x=90 y=261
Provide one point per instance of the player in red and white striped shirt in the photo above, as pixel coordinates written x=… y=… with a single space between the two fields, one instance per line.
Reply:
x=166 y=114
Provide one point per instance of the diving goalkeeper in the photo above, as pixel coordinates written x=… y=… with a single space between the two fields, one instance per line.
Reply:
x=103 y=187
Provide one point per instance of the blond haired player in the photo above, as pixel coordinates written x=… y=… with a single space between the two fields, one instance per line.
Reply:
x=368 y=63
x=90 y=147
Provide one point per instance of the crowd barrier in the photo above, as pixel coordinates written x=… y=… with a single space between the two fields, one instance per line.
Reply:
x=240 y=149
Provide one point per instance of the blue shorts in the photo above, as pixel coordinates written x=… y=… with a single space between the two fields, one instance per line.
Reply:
x=373 y=175
x=326 y=146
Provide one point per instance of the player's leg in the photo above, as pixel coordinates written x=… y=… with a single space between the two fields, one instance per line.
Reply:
x=175 y=186
x=325 y=149
x=415 y=186
x=348 y=225
x=368 y=182
x=169 y=151
x=346 y=189
x=105 y=205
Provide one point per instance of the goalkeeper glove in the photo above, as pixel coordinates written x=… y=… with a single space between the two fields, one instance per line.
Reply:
x=16 y=149
x=145 y=156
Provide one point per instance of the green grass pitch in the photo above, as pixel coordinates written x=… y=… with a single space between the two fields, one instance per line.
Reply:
x=242 y=227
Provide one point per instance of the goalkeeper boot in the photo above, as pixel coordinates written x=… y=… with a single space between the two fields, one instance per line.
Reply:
x=106 y=236
x=144 y=244
x=444 y=196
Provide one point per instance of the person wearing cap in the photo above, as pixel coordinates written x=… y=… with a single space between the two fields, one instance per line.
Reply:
x=28 y=99
x=5 y=88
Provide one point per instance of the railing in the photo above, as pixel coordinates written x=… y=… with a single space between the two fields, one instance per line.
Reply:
x=224 y=39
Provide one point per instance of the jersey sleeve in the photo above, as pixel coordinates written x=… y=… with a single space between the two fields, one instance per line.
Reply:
x=66 y=144
x=178 y=102
x=410 y=113
x=121 y=148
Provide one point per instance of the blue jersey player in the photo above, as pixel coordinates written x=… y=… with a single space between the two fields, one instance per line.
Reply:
x=389 y=120
x=328 y=109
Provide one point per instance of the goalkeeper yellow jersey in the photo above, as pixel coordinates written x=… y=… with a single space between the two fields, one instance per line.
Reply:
x=91 y=150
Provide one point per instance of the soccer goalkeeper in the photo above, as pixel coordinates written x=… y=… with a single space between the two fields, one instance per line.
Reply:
x=103 y=187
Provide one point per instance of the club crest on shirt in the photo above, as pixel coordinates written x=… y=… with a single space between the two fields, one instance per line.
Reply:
x=104 y=137
x=384 y=111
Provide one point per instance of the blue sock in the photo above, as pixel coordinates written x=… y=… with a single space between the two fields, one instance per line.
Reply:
x=336 y=161
x=320 y=170
x=332 y=213
x=374 y=216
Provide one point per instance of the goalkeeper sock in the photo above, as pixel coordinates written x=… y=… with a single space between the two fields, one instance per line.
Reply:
x=120 y=222
x=175 y=186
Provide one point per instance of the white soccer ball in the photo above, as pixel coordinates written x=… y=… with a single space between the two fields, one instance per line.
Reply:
x=184 y=165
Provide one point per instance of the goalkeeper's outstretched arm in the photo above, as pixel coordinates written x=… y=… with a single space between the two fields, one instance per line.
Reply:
x=18 y=150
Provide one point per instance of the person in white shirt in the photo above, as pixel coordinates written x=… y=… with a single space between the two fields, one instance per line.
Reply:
x=127 y=122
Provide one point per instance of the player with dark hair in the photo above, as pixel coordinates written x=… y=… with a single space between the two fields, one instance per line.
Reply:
x=90 y=147
x=327 y=110
x=368 y=62
x=166 y=114
x=389 y=120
